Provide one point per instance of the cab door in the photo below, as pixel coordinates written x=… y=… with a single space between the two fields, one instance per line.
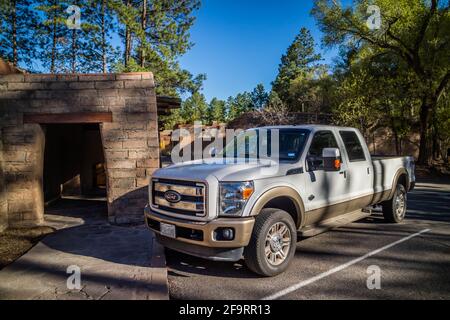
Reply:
x=325 y=190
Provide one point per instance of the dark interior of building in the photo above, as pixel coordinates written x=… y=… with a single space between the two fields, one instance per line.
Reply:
x=73 y=162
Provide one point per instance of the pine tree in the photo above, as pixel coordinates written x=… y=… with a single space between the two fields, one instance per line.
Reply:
x=238 y=105
x=259 y=96
x=155 y=35
x=300 y=59
x=217 y=110
x=99 y=27
x=195 y=108
x=52 y=35
x=17 y=25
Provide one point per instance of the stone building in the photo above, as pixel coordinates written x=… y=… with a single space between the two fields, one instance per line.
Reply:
x=91 y=131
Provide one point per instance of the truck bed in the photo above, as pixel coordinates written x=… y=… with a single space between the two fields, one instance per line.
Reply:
x=385 y=169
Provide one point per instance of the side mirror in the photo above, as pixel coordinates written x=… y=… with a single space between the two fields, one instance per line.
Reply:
x=331 y=159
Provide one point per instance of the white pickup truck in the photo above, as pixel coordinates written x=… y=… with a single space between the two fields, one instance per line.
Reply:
x=242 y=208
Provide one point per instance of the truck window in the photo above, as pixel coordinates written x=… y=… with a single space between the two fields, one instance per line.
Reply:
x=321 y=140
x=353 y=146
x=250 y=143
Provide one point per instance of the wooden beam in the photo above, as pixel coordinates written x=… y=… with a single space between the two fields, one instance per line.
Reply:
x=77 y=117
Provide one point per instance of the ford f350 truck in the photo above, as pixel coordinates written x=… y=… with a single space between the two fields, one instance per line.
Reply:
x=227 y=210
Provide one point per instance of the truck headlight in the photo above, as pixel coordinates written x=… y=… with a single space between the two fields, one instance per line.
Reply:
x=233 y=196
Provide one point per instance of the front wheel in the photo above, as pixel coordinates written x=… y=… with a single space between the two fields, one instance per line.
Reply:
x=272 y=244
x=394 y=210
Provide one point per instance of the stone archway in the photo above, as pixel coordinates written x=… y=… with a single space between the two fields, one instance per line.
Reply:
x=123 y=105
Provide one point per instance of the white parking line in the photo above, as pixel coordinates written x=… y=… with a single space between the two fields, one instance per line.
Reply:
x=339 y=268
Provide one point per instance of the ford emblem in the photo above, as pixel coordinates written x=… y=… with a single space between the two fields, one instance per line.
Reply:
x=172 y=196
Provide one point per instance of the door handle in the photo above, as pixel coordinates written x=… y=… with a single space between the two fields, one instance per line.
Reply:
x=344 y=173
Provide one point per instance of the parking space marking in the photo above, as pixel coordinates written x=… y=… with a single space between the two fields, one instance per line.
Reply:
x=304 y=283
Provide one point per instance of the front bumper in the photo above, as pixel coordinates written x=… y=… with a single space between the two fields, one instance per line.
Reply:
x=200 y=238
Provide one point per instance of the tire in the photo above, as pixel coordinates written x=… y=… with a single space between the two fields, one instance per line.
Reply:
x=273 y=222
x=394 y=210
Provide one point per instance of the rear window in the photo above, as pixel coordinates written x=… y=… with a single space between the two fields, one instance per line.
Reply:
x=353 y=146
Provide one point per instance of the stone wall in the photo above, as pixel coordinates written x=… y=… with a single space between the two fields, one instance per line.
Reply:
x=3 y=203
x=130 y=141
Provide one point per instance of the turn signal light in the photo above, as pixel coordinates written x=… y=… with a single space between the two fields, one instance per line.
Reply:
x=246 y=193
x=337 y=164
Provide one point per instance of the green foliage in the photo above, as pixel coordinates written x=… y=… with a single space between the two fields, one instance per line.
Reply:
x=299 y=62
x=195 y=108
x=413 y=37
x=217 y=110
x=158 y=40
x=238 y=105
x=51 y=35
x=99 y=30
x=17 y=31
x=259 y=96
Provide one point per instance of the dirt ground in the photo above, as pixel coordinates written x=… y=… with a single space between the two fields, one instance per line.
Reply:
x=15 y=242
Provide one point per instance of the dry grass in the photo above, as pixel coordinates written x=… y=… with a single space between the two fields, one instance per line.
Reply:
x=15 y=242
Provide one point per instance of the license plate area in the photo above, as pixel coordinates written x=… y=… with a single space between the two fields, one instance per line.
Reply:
x=168 y=230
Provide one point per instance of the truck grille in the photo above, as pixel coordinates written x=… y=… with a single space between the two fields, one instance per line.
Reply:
x=179 y=197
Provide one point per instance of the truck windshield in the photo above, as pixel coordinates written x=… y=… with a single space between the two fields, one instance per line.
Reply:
x=284 y=144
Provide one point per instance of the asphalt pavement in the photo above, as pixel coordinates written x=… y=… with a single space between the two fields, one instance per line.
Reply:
x=368 y=259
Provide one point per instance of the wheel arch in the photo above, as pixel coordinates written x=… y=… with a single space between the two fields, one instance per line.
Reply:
x=284 y=198
x=401 y=176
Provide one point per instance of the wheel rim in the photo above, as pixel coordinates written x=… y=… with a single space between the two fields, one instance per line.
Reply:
x=278 y=243
x=400 y=204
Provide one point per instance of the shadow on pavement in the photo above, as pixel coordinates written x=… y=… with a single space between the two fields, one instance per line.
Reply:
x=94 y=237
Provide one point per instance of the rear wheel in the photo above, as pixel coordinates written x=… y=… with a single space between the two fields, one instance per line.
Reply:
x=394 y=210
x=272 y=244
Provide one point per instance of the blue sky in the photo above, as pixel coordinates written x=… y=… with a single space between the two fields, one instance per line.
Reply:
x=239 y=43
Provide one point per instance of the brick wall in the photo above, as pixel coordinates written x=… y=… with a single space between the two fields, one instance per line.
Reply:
x=130 y=141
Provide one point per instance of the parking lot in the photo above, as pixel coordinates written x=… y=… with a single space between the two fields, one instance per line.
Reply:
x=413 y=258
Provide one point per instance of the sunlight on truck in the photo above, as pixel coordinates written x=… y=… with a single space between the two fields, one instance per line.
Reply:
x=231 y=209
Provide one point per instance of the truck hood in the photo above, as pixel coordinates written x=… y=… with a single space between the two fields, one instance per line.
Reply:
x=222 y=170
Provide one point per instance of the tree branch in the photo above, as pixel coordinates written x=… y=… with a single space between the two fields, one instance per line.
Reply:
x=424 y=27
x=442 y=86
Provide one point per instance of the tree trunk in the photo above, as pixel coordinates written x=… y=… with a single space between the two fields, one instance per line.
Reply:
x=394 y=131
x=104 y=58
x=14 y=33
x=143 y=25
x=425 y=148
x=54 y=40
x=74 y=52
x=435 y=145
x=127 y=40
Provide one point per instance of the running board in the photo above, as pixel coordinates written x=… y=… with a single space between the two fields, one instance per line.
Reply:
x=332 y=223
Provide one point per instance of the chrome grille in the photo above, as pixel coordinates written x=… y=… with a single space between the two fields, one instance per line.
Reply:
x=192 y=200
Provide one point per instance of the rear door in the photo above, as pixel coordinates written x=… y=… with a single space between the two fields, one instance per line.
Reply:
x=359 y=171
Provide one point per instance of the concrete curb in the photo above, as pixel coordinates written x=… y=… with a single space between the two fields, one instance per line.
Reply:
x=159 y=275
